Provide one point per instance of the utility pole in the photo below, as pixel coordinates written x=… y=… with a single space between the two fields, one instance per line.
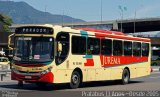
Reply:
x=62 y=18
x=122 y=9
x=45 y=9
x=101 y=12
x=135 y=22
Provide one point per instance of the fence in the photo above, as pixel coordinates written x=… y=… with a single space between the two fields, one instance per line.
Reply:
x=4 y=70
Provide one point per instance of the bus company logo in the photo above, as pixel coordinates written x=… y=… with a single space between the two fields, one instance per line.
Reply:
x=111 y=60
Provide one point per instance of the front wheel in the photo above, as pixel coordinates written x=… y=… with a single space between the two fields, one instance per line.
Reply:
x=125 y=77
x=75 y=80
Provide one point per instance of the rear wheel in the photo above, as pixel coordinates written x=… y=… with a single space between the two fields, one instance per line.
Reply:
x=125 y=77
x=75 y=80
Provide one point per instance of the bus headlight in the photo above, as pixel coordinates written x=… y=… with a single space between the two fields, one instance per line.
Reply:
x=46 y=71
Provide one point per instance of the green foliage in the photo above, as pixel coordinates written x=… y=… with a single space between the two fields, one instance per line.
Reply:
x=5 y=22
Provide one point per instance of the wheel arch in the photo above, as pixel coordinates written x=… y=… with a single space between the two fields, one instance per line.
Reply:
x=80 y=72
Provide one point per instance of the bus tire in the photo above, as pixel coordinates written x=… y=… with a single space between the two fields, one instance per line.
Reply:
x=125 y=76
x=75 y=80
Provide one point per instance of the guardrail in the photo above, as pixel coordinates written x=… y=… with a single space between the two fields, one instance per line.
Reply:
x=4 y=70
x=3 y=73
x=155 y=68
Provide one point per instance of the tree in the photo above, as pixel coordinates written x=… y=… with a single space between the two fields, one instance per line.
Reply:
x=5 y=22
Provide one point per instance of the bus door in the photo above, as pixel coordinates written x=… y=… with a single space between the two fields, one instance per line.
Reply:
x=62 y=42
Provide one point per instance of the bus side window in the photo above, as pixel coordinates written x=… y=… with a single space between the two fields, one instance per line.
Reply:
x=62 y=50
x=127 y=48
x=78 y=45
x=145 y=49
x=93 y=46
x=136 y=49
x=106 y=47
x=117 y=47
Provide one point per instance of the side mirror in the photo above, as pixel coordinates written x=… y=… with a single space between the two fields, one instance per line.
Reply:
x=9 y=41
x=59 y=47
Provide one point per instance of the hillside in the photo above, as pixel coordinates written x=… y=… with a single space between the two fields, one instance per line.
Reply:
x=23 y=13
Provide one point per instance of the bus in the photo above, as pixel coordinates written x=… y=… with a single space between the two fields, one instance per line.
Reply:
x=155 y=59
x=54 y=54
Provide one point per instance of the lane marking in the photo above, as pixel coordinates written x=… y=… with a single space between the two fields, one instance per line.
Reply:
x=155 y=77
x=154 y=73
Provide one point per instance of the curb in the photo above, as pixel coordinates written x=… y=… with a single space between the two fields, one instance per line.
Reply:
x=156 y=70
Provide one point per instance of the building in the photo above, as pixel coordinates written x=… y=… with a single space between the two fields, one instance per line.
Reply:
x=128 y=26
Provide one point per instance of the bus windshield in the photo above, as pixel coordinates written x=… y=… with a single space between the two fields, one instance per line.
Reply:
x=33 y=49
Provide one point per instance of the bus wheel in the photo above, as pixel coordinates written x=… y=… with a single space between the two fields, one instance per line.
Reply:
x=75 y=80
x=125 y=76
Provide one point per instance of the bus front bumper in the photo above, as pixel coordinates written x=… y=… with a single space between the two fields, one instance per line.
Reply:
x=47 y=78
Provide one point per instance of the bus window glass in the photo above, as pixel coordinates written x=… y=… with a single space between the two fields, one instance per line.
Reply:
x=117 y=47
x=78 y=45
x=127 y=48
x=136 y=49
x=63 y=39
x=33 y=49
x=145 y=49
x=106 y=47
x=93 y=46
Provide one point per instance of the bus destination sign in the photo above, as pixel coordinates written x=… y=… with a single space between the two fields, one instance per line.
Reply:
x=34 y=30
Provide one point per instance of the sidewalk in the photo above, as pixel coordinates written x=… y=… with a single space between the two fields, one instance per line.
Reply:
x=156 y=68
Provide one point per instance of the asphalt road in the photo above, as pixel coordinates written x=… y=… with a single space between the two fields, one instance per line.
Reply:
x=149 y=85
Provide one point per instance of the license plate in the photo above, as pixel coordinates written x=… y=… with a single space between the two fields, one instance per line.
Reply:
x=28 y=77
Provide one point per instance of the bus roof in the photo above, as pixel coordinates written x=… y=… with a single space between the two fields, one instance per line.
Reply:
x=113 y=34
x=96 y=32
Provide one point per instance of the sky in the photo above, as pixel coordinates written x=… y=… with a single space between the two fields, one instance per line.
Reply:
x=93 y=10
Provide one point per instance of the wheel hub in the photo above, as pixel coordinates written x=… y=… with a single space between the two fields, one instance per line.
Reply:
x=126 y=77
x=75 y=79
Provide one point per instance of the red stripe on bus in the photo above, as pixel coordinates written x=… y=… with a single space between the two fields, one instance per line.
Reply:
x=113 y=34
x=122 y=37
x=89 y=62
x=96 y=30
x=121 y=60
